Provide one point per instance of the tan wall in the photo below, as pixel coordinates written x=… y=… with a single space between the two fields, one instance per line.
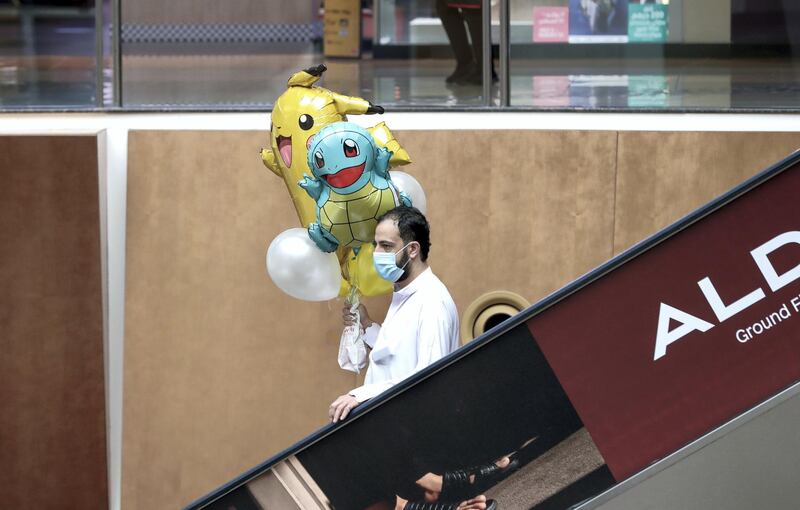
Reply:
x=220 y=367
x=664 y=176
x=524 y=213
x=209 y=11
x=52 y=402
x=222 y=370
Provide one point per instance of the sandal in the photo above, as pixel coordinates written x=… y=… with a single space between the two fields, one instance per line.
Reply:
x=457 y=487
x=418 y=505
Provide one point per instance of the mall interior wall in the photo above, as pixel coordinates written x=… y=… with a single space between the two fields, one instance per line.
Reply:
x=52 y=390
x=692 y=22
x=221 y=369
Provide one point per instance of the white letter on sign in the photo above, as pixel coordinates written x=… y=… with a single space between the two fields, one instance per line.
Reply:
x=761 y=254
x=722 y=311
x=689 y=323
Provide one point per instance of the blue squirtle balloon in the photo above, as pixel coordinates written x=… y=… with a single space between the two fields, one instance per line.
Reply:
x=351 y=186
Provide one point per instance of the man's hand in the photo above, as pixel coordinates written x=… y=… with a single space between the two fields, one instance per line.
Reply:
x=341 y=407
x=349 y=317
x=476 y=503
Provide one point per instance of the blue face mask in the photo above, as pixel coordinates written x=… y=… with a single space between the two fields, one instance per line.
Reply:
x=386 y=265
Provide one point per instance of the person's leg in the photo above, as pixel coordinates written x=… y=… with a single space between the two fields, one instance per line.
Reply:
x=474 y=20
x=456 y=32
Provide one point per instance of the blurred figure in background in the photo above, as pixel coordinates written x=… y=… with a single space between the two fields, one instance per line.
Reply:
x=459 y=16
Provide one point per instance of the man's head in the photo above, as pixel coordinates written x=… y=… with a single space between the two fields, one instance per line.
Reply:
x=404 y=231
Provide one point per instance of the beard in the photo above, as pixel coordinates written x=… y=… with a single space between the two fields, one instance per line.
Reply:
x=404 y=261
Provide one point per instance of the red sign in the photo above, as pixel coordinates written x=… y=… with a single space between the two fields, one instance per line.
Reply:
x=550 y=24
x=687 y=335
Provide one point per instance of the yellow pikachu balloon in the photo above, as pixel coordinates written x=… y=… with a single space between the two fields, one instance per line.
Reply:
x=298 y=114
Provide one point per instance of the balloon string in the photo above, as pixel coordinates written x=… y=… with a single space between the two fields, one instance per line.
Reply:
x=354 y=296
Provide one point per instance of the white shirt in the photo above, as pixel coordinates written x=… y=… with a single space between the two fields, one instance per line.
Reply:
x=421 y=327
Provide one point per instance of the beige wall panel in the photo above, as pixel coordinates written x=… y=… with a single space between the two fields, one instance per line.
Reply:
x=523 y=211
x=664 y=176
x=222 y=369
x=208 y=11
x=52 y=400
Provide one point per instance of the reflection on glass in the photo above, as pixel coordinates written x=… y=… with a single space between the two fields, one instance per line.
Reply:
x=178 y=55
x=204 y=54
x=647 y=91
x=201 y=54
x=654 y=54
x=550 y=91
x=47 y=55
x=439 y=45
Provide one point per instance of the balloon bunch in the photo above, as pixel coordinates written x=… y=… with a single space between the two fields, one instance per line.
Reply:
x=350 y=186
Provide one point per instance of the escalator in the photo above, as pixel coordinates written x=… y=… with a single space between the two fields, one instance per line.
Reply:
x=657 y=357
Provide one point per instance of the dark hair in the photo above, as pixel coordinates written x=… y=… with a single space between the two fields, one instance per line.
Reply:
x=413 y=226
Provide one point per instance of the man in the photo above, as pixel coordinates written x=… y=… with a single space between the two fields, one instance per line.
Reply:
x=421 y=325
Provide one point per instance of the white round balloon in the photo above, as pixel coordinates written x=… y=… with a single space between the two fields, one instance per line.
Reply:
x=411 y=187
x=300 y=269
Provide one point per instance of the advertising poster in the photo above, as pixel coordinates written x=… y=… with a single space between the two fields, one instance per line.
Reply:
x=647 y=22
x=516 y=410
x=585 y=389
x=598 y=21
x=550 y=24
x=342 y=28
x=692 y=333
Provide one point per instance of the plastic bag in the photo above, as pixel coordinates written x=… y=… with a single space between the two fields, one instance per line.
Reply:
x=352 y=350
